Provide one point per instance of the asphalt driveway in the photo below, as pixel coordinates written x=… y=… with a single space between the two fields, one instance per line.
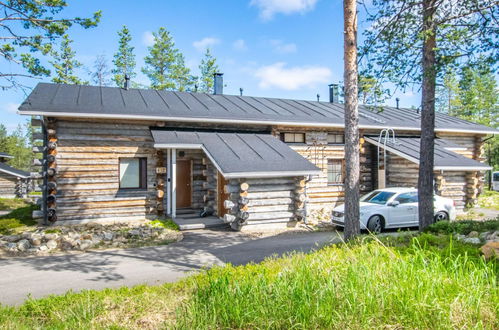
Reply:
x=42 y=276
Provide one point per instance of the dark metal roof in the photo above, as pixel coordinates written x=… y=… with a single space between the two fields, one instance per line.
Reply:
x=5 y=155
x=445 y=158
x=240 y=154
x=13 y=171
x=114 y=102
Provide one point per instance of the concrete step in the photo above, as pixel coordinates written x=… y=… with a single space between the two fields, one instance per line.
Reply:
x=199 y=223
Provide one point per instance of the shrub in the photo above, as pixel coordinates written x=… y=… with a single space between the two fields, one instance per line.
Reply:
x=463 y=227
x=168 y=224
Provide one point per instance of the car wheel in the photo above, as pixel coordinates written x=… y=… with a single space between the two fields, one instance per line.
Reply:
x=441 y=216
x=375 y=224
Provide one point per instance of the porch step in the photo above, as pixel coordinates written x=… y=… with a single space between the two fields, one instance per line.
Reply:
x=191 y=223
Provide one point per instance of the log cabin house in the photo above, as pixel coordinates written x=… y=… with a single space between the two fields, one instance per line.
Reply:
x=13 y=182
x=120 y=154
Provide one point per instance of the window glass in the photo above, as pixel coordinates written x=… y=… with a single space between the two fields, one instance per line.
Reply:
x=294 y=137
x=410 y=197
x=335 y=139
x=496 y=176
x=377 y=197
x=334 y=171
x=132 y=172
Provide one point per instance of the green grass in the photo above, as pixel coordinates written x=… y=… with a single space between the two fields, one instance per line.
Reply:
x=168 y=224
x=17 y=219
x=9 y=204
x=489 y=199
x=412 y=281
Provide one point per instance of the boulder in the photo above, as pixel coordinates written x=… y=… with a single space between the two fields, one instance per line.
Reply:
x=107 y=236
x=483 y=236
x=473 y=234
x=11 y=246
x=43 y=248
x=11 y=238
x=134 y=233
x=23 y=245
x=490 y=250
x=36 y=240
x=51 y=244
x=85 y=244
x=51 y=237
x=472 y=240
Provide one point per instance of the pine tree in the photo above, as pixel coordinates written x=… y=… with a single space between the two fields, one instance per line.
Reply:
x=413 y=42
x=165 y=64
x=181 y=75
x=161 y=60
x=124 y=58
x=352 y=156
x=208 y=68
x=65 y=64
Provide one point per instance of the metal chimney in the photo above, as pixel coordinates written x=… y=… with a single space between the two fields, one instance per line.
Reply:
x=397 y=100
x=218 y=83
x=334 y=93
x=127 y=82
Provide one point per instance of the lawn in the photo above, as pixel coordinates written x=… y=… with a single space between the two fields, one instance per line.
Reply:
x=428 y=280
x=18 y=218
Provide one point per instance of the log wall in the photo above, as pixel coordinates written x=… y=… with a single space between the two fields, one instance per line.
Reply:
x=7 y=185
x=87 y=160
x=265 y=202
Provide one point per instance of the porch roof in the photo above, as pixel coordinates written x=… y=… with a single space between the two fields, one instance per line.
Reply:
x=13 y=171
x=444 y=158
x=238 y=155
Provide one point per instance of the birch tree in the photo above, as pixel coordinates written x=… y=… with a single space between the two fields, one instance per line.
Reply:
x=412 y=43
x=352 y=162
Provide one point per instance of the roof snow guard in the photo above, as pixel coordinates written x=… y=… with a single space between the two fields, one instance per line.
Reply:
x=59 y=100
x=445 y=159
x=244 y=155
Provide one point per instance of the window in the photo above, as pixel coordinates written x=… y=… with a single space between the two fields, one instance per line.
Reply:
x=335 y=138
x=410 y=197
x=294 y=137
x=133 y=173
x=335 y=171
x=377 y=197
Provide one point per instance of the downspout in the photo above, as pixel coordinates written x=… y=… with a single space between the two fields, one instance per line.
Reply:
x=307 y=180
x=488 y=160
x=44 y=172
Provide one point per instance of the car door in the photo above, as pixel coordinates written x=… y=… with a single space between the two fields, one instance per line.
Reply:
x=405 y=213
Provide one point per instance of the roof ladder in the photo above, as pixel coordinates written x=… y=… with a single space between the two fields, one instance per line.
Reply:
x=384 y=136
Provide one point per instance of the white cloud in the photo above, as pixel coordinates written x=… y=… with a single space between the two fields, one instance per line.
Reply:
x=280 y=47
x=204 y=43
x=268 y=8
x=240 y=45
x=10 y=107
x=291 y=78
x=148 y=38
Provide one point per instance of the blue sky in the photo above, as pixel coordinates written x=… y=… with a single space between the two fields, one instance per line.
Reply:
x=274 y=48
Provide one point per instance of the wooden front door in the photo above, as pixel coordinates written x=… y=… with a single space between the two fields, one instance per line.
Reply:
x=184 y=186
x=221 y=196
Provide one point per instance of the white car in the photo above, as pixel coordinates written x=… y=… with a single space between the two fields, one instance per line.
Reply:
x=393 y=208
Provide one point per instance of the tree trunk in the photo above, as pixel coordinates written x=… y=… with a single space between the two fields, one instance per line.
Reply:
x=352 y=223
x=425 y=181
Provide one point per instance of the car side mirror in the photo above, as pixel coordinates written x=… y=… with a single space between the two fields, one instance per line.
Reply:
x=394 y=203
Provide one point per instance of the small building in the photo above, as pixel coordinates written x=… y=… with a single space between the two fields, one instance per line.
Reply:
x=115 y=154
x=13 y=182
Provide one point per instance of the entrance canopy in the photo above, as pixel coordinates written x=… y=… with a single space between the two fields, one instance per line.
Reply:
x=445 y=158
x=239 y=155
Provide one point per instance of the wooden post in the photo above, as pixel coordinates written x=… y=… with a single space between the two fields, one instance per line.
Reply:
x=168 y=181
x=174 y=182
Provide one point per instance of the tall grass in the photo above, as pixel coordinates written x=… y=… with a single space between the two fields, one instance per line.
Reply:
x=351 y=286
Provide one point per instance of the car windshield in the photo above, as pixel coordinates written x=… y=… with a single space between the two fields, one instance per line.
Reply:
x=377 y=197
